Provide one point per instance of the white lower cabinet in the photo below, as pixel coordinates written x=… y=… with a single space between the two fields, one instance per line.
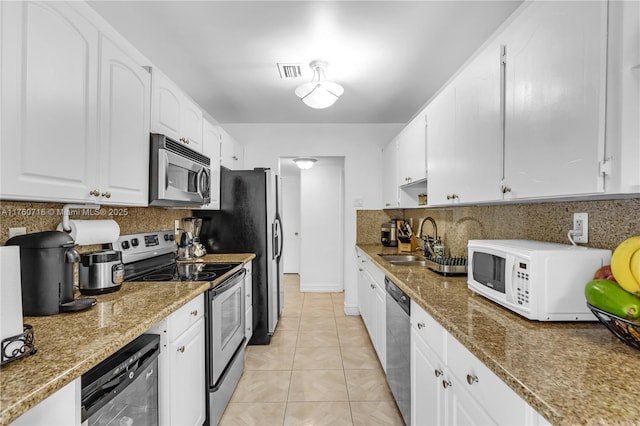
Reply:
x=60 y=409
x=182 y=386
x=450 y=386
x=372 y=304
x=248 y=304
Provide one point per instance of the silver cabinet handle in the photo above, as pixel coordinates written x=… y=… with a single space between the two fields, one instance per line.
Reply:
x=95 y=193
x=372 y=286
x=505 y=189
x=472 y=379
x=360 y=269
x=437 y=372
x=194 y=312
x=106 y=194
x=235 y=158
x=403 y=298
x=421 y=325
x=181 y=349
x=446 y=384
x=184 y=140
x=452 y=196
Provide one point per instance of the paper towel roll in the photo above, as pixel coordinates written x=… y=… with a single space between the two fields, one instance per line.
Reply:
x=86 y=232
x=10 y=292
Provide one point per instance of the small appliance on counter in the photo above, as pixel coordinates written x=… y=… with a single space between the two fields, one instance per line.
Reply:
x=389 y=234
x=46 y=272
x=189 y=246
x=100 y=272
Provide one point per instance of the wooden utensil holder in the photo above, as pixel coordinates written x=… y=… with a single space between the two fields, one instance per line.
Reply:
x=408 y=247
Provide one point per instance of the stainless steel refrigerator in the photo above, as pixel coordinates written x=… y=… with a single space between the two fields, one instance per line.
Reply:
x=249 y=222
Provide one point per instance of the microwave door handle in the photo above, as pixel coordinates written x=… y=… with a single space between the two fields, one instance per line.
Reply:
x=509 y=270
x=203 y=184
x=163 y=169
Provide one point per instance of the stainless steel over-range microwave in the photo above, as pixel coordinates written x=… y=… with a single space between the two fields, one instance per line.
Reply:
x=178 y=175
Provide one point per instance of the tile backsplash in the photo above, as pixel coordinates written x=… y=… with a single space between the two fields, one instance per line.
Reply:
x=37 y=217
x=610 y=222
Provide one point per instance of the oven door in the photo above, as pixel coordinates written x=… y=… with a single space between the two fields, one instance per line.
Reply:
x=226 y=324
x=180 y=180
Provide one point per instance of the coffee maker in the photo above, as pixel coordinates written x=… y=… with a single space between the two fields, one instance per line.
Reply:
x=189 y=245
x=46 y=271
x=389 y=233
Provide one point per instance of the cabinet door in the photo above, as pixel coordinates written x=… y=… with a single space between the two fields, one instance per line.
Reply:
x=411 y=151
x=187 y=369
x=461 y=408
x=363 y=293
x=441 y=148
x=230 y=152
x=123 y=152
x=427 y=393
x=165 y=106
x=191 y=127
x=211 y=148
x=49 y=95
x=478 y=129
x=380 y=313
x=554 y=124
x=389 y=175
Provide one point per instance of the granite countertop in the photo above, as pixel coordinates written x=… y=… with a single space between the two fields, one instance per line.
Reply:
x=71 y=344
x=570 y=372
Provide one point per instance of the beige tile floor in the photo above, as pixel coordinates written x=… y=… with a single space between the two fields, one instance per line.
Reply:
x=320 y=369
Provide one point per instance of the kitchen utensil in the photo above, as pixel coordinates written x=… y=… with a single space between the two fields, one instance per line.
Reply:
x=101 y=272
x=46 y=271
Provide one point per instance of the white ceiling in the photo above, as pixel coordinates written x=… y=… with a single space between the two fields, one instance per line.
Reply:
x=390 y=56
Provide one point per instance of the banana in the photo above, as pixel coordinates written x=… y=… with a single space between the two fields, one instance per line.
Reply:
x=621 y=264
x=635 y=265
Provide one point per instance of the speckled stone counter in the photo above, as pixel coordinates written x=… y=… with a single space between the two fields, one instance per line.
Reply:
x=571 y=373
x=71 y=344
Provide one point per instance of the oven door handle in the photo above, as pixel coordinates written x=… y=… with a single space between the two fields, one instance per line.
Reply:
x=229 y=282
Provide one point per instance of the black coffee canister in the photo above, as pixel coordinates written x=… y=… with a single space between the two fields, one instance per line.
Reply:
x=46 y=269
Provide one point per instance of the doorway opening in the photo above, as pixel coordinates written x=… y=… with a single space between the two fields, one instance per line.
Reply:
x=313 y=223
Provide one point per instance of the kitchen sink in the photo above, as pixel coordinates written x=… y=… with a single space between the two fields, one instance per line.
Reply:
x=404 y=259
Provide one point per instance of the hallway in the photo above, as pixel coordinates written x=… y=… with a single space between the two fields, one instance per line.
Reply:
x=320 y=369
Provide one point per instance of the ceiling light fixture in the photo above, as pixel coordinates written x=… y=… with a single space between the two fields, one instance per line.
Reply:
x=304 y=162
x=319 y=93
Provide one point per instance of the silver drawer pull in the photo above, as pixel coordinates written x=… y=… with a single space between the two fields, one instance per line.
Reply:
x=421 y=325
x=472 y=379
x=194 y=312
x=181 y=349
x=446 y=384
x=438 y=373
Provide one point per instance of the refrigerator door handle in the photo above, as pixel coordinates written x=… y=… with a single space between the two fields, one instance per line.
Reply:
x=277 y=238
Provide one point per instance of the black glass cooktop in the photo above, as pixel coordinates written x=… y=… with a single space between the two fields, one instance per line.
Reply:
x=188 y=272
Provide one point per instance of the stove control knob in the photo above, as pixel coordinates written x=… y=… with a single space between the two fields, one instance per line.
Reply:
x=125 y=245
x=134 y=242
x=170 y=237
x=166 y=237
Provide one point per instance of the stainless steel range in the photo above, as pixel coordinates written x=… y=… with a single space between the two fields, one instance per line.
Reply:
x=152 y=257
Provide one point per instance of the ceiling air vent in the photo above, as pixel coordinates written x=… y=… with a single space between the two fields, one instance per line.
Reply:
x=288 y=71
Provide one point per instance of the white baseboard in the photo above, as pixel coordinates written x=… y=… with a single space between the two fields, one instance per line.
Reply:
x=351 y=309
x=321 y=288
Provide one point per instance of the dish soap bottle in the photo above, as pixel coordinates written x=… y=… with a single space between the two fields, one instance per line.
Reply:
x=438 y=248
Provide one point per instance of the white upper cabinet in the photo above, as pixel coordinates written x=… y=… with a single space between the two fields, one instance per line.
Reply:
x=75 y=110
x=411 y=152
x=123 y=151
x=49 y=133
x=555 y=99
x=464 y=135
x=389 y=178
x=173 y=113
x=211 y=148
x=232 y=152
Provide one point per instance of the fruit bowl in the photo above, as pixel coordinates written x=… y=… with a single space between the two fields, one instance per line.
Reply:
x=625 y=330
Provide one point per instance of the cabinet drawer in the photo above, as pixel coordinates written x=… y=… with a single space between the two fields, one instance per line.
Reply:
x=429 y=329
x=185 y=317
x=498 y=399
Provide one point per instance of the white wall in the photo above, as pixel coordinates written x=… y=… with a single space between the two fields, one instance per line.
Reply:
x=290 y=193
x=322 y=218
x=360 y=145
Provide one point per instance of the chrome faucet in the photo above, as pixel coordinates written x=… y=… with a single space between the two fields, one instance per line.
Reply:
x=428 y=240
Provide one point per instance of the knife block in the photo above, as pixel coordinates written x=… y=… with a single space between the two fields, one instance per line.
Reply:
x=408 y=247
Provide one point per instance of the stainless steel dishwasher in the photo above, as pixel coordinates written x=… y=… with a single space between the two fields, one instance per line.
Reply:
x=399 y=348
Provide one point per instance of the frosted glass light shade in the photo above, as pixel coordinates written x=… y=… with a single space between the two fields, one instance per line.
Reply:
x=304 y=162
x=319 y=94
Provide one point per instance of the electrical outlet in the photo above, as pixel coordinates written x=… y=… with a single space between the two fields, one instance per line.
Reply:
x=17 y=231
x=581 y=227
x=176 y=226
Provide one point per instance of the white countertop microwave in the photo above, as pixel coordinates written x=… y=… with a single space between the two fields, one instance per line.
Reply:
x=538 y=280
